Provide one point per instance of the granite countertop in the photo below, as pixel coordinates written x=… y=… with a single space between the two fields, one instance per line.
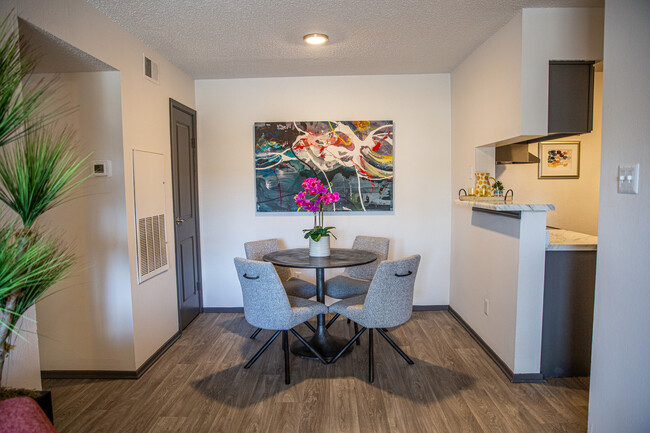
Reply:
x=510 y=206
x=565 y=240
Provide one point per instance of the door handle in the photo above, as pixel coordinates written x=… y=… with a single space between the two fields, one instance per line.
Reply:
x=180 y=220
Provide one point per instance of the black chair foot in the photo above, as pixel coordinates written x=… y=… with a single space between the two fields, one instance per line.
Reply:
x=259 y=352
x=356 y=329
x=395 y=346
x=287 y=367
x=371 y=366
x=309 y=346
x=332 y=320
x=257 y=331
x=347 y=345
x=308 y=325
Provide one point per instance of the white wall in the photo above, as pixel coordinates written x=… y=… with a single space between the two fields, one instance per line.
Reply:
x=420 y=108
x=575 y=200
x=95 y=300
x=145 y=125
x=490 y=95
x=619 y=399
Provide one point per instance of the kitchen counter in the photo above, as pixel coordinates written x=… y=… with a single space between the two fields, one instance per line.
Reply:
x=565 y=240
x=510 y=206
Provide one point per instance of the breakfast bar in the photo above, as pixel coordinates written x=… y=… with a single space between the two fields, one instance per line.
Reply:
x=502 y=303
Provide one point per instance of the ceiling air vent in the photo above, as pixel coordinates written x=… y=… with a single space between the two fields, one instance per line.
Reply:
x=150 y=69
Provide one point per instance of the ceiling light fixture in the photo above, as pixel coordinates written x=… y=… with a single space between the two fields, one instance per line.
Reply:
x=315 y=38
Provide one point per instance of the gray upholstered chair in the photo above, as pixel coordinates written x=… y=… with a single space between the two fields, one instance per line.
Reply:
x=355 y=280
x=256 y=250
x=388 y=303
x=267 y=306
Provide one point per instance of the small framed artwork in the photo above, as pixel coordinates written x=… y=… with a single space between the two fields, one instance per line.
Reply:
x=559 y=160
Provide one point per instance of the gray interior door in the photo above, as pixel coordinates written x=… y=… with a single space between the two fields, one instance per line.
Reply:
x=186 y=212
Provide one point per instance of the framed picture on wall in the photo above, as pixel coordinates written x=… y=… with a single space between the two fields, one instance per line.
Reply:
x=353 y=158
x=559 y=160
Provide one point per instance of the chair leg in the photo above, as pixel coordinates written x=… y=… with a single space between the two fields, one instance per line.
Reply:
x=348 y=344
x=257 y=331
x=332 y=320
x=395 y=346
x=348 y=321
x=309 y=346
x=285 y=345
x=259 y=352
x=308 y=325
x=371 y=367
x=356 y=329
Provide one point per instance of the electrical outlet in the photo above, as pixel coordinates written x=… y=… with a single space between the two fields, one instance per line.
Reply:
x=628 y=179
x=486 y=307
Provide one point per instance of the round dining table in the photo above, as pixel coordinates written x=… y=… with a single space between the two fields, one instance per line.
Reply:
x=326 y=344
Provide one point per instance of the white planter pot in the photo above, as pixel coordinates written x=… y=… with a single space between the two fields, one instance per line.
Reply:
x=320 y=248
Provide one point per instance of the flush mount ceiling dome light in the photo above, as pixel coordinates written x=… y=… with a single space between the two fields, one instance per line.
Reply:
x=315 y=38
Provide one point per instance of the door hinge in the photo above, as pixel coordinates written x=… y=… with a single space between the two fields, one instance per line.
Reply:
x=198 y=287
x=193 y=142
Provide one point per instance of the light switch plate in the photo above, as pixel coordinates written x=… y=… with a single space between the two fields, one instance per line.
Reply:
x=628 y=179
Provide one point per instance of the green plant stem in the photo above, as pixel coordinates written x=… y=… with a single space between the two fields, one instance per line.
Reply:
x=5 y=330
x=320 y=215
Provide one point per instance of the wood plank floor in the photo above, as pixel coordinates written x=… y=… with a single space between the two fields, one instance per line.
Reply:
x=200 y=385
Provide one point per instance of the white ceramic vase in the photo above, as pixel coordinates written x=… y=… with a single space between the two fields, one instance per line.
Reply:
x=319 y=248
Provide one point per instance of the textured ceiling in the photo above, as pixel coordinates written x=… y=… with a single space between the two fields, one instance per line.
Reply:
x=263 y=38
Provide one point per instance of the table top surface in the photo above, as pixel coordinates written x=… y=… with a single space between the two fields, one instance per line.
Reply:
x=339 y=258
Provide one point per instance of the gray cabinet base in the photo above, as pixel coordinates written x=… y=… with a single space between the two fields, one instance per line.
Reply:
x=569 y=283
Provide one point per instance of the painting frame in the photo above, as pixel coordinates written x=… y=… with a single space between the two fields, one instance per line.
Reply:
x=353 y=158
x=553 y=156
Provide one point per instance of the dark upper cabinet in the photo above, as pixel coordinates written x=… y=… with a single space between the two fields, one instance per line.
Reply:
x=570 y=109
x=570 y=97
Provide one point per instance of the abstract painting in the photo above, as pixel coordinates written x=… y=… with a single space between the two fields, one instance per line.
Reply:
x=353 y=158
x=559 y=159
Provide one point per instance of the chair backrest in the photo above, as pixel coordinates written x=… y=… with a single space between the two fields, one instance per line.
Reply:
x=255 y=250
x=375 y=245
x=265 y=302
x=389 y=301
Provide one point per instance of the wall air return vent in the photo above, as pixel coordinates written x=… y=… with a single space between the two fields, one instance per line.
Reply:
x=153 y=250
x=149 y=191
x=150 y=69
